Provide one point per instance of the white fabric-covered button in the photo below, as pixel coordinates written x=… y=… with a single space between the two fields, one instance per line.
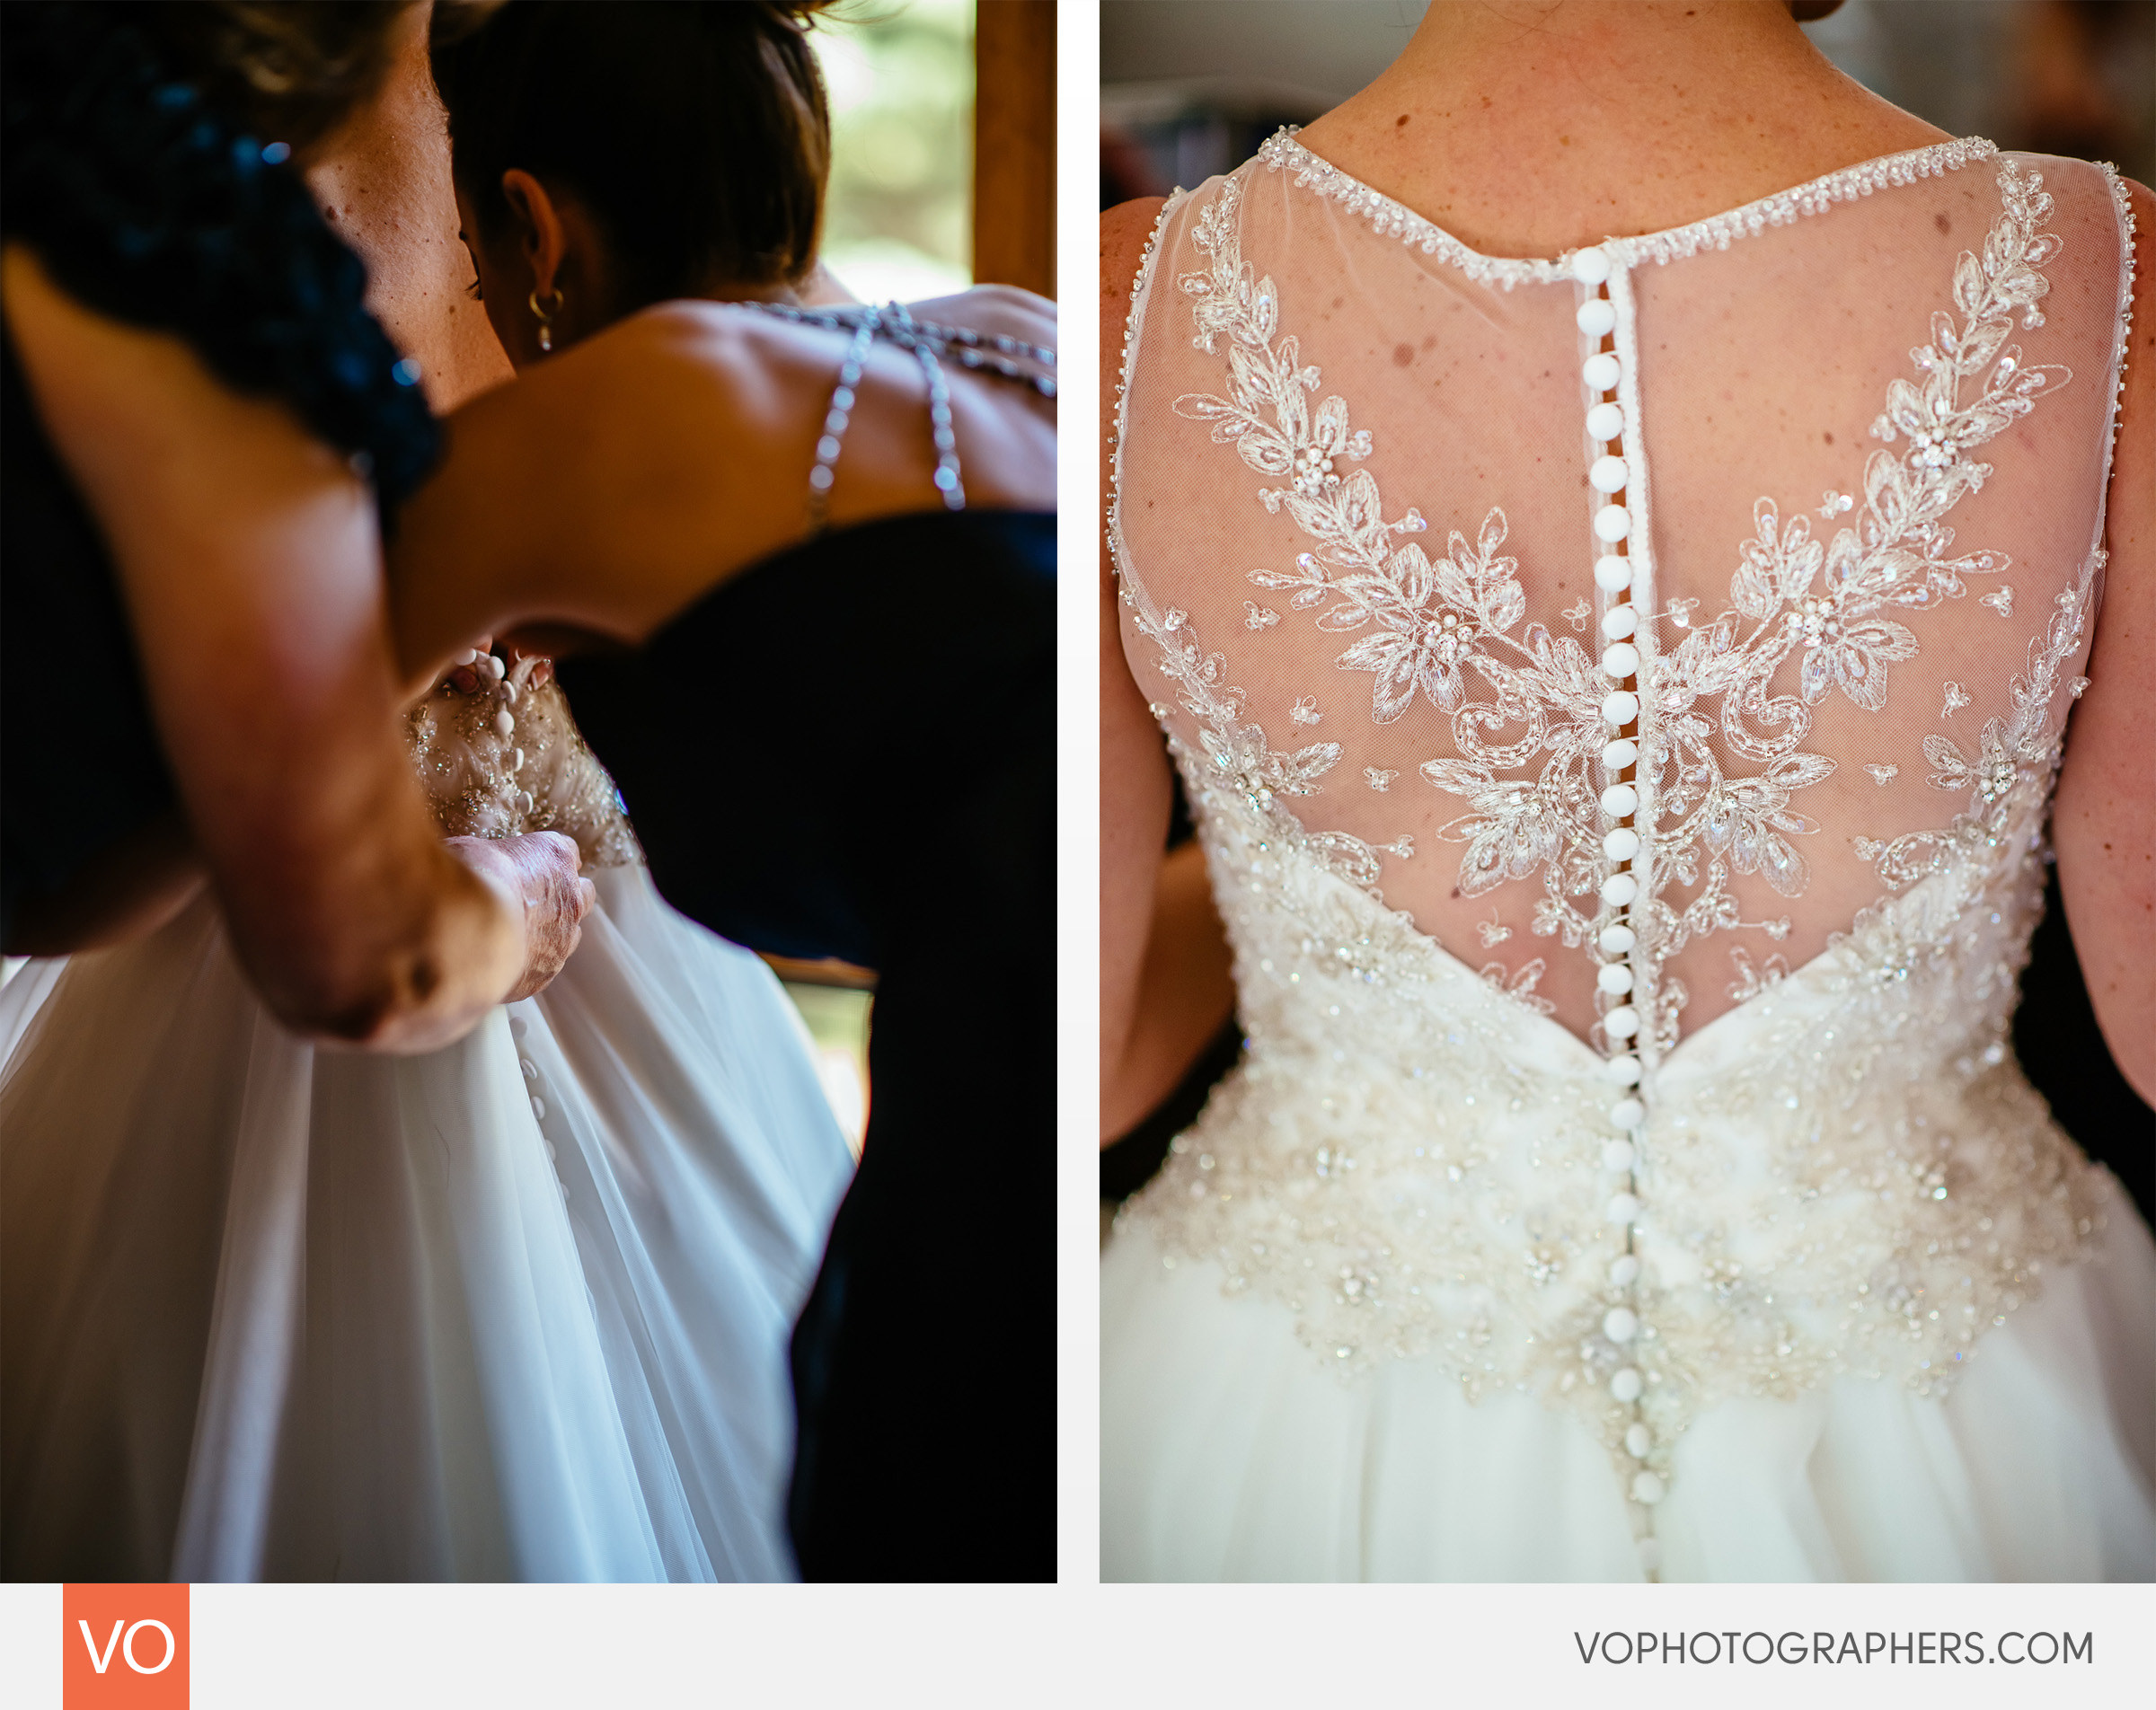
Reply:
x=1608 y=474
x=1622 y=1208
x=1619 y=889
x=539 y=1108
x=1616 y=941
x=1590 y=267
x=1618 y=800
x=1614 y=978
x=1623 y=1071
x=504 y=726
x=1617 y=1155
x=1612 y=523
x=1619 y=622
x=1624 y=1270
x=1638 y=1441
x=1600 y=372
x=1595 y=317
x=1613 y=573
x=1622 y=1023
x=1620 y=1325
x=1620 y=659
x=518 y=1026
x=1620 y=706
x=1627 y=1113
x=1619 y=752
x=1647 y=1489
x=531 y=1068
x=1605 y=422
x=1625 y=1383
x=1621 y=844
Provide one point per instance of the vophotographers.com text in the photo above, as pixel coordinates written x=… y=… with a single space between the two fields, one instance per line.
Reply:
x=1893 y=1648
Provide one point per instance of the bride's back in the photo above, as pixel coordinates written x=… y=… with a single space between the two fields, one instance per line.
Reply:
x=1561 y=654
x=1863 y=429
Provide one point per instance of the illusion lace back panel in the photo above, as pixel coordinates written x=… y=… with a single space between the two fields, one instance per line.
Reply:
x=1620 y=696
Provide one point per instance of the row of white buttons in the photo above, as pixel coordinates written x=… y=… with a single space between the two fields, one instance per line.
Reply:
x=519 y=1030
x=1611 y=474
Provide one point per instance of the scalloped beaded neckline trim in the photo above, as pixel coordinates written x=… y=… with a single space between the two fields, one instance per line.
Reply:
x=1389 y=218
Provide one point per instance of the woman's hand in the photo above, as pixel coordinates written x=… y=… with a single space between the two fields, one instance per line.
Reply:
x=537 y=875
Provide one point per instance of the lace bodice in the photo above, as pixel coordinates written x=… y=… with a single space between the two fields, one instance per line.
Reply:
x=1620 y=695
x=508 y=759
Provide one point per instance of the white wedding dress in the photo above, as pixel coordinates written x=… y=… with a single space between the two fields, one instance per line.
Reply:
x=517 y=1309
x=1620 y=698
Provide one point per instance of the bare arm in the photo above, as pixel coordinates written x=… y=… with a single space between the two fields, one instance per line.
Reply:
x=2104 y=823
x=1165 y=987
x=248 y=560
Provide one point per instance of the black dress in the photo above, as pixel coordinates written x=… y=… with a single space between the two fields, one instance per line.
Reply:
x=148 y=206
x=850 y=750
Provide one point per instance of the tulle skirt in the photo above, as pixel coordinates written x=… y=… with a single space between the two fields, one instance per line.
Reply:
x=1229 y=1452
x=517 y=1309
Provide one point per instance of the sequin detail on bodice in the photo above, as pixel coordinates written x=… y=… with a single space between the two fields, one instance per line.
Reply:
x=508 y=759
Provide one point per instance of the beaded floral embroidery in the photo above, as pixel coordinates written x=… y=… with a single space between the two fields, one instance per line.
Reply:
x=1449 y=628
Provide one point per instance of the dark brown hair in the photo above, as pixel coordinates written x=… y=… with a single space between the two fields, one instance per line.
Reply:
x=695 y=135
x=288 y=74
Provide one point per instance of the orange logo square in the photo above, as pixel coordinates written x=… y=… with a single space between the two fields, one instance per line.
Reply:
x=124 y=1647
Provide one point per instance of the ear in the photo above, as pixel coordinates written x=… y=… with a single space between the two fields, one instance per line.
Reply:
x=538 y=224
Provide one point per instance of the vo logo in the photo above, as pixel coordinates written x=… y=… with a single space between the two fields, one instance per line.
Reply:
x=125 y=1647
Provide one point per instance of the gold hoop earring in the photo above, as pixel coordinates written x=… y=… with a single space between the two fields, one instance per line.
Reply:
x=546 y=318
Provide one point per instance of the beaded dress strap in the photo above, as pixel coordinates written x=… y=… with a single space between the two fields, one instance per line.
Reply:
x=931 y=345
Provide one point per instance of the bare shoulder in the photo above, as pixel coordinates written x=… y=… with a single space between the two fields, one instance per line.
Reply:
x=1003 y=311
x=1125 y=230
